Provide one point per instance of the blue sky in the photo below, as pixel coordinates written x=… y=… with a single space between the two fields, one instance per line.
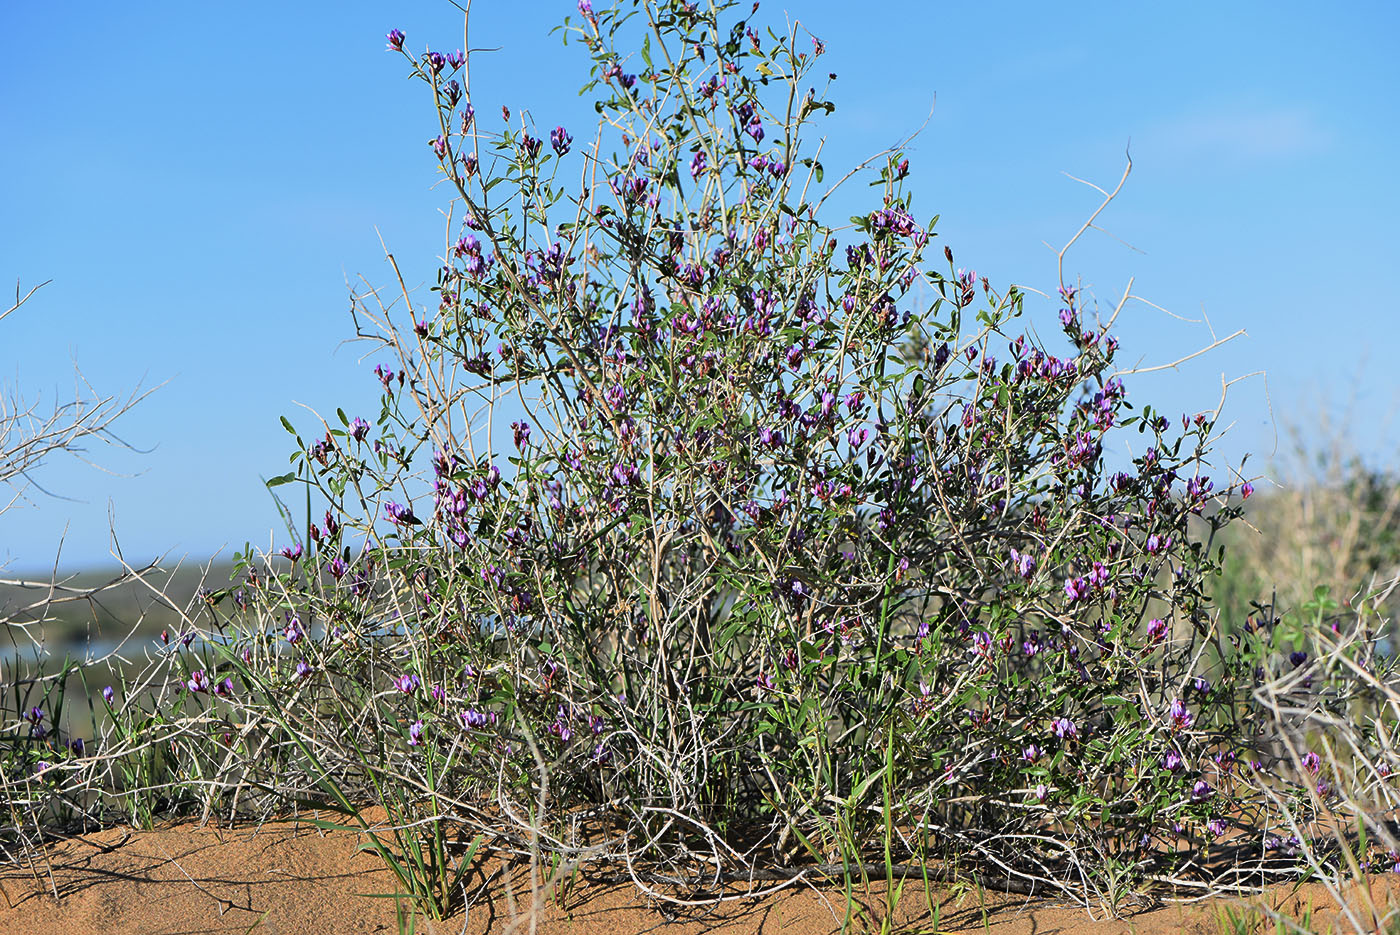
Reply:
x=199 y=181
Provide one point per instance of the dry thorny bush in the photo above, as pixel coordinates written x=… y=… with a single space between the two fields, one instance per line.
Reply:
x=775 y=577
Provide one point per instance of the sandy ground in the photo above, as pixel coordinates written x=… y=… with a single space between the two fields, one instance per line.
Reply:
x=281 y=879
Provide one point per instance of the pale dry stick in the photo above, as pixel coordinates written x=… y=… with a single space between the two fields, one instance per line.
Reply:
x=1133 y=371
x=1266 y=692
x=1107 y=200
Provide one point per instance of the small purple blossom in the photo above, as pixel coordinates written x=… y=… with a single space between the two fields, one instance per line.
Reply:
x=294 y=631
x=415 y=733
x=1024 y=564
x=108 y=694
x=400 y=514
x=359 y=429
x=1181 y=716
x=395 y=38
x=473 y=719
x=1064 y=727
x=560 y=139
x=198 y=681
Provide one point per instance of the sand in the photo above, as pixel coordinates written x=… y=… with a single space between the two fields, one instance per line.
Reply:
x=283 y=878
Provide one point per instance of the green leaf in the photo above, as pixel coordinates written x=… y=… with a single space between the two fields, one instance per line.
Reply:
x=280 y=479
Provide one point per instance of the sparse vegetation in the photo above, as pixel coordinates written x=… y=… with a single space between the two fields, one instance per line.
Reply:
x=772 y=573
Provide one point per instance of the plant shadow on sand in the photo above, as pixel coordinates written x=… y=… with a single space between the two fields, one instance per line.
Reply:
x=283 y=877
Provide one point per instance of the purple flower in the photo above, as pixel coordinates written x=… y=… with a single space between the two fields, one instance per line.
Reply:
x=359 y=429
x=400 y=514
x=395 y=38
x=765 y=682
x=560 y=139
x=472 y=718
x=1041 y=792
x=108 y=694
x=198 y=681
x=303 y=669
x=1181 y=716
x=1312 y=762
x=1064 y=727
x=407 y=683
x=1023 y=563
x=522 y=433
x=1217 y=826
x=1297 y=658
x=294 y=631
x=1245 y=490
x=1201 y=791
x=1032 y=645
x=585 y=7
x=982 y=643
x=1031 y=754
x=292 y=552
x=1156 y=630
x=415 y=733
x=1171 y=762
x=77 y=746
x=224 y=689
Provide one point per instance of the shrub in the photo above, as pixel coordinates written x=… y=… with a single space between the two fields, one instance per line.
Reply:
x=775 y=561
x=773 y=567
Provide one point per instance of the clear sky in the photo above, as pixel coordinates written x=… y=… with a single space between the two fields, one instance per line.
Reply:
x=200 y=180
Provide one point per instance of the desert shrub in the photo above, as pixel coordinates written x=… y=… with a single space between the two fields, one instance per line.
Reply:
x=773 y=565
x=774 y=561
